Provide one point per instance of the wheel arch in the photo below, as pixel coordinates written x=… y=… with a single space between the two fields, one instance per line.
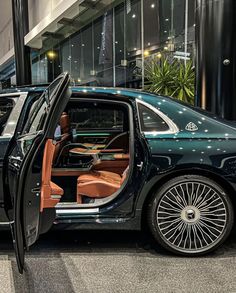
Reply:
x=198 y=171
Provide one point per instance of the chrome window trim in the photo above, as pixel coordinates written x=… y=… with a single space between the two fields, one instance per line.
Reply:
x=6 y=223
x=173 y=128
x=12 y=95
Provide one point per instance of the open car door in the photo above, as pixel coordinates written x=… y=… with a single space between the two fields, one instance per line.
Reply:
x=23 y=168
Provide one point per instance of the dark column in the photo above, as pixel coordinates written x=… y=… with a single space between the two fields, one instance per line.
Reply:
x=22 y=53
x=216 y=58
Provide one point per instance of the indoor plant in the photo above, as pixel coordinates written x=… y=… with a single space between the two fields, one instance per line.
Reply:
x=174 y=78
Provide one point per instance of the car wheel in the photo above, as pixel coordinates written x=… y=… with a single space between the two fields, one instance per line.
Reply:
x=190 y=215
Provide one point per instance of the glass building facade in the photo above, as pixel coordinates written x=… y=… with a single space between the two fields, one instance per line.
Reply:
x=109 y=45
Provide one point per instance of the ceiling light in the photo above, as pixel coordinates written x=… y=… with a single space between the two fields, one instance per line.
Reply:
x=51 y=54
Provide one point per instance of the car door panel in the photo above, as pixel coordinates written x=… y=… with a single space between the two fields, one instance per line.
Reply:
x=23 y=169
x=22 y=238
x=7 y=131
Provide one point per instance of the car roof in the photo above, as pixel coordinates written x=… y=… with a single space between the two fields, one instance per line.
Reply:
x=179 y=112
x=125 y=93
x=77 y=89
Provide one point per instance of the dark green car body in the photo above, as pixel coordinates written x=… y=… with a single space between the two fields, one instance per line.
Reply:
x=196 y=143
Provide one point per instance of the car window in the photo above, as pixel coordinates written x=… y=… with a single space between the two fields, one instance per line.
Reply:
x=37 y=124
x=40 y=107
x=150 y=121
x=96 y=118
x=6 y=106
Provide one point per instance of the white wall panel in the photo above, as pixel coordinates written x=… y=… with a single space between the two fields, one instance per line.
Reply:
x=39 y=9
x=6 y=30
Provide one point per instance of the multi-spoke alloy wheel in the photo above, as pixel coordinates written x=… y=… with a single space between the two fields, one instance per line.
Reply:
x=190 y=215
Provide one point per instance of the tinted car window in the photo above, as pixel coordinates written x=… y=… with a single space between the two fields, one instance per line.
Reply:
x=40 y=107
x=150 y=121
x=96 y=117
x=6 y=107
x=37 y=124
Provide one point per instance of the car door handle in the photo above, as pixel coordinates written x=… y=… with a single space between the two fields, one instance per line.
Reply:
x=140 y=166
x=36 y=191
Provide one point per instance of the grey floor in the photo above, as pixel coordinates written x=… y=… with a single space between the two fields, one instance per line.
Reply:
x=110 y=262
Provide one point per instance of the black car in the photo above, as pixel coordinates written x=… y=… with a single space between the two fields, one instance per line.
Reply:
x=106 y=158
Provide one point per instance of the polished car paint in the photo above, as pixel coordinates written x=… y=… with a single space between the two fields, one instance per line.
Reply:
x=203 y=144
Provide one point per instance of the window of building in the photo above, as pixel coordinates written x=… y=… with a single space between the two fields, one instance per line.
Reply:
x=111 y=46
x=150 y=121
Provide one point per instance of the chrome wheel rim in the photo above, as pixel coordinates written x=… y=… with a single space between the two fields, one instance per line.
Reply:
x=191 y=217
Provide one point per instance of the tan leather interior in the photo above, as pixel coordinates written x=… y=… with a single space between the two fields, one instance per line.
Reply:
x=50 y=192
x=73 y=172
x=100 y=175
x=105 y=179
x=116 y=166
x=121 y=157
x=84 y=151
x=98 y=184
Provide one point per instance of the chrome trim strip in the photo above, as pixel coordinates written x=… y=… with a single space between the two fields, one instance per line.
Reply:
x=54 y=196
x=15 y=94
x=173 y=129
x=6 y=223
x=76 y=211
x=225 y=160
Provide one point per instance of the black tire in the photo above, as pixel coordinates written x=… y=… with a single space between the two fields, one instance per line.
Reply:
x=191 y=229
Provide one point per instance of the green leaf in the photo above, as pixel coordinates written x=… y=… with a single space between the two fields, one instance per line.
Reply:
x=173 y=78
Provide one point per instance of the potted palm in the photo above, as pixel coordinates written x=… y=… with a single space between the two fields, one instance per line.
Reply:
x=173 y=78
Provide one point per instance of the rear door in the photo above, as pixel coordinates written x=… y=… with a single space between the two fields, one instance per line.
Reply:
x=23 y=168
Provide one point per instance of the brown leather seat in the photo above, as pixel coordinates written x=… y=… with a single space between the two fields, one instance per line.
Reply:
x=55 y=189
x=50 y=192
x=99 y=175
x=99 y=184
